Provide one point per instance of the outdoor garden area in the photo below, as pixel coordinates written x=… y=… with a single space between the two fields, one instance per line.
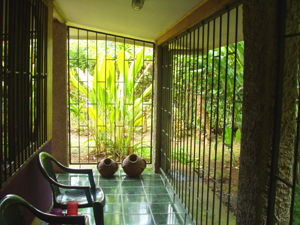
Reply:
x=110 y=98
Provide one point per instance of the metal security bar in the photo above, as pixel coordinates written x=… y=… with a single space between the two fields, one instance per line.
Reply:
x=201 y=111
x=110 y=96
x=23 y=82
x=284 y=199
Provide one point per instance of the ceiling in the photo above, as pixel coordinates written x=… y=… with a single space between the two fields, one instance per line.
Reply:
x=119 y=18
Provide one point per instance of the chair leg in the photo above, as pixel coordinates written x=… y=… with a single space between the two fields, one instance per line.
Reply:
x=98 y=214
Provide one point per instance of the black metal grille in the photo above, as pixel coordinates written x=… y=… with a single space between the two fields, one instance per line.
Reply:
x=110 y=96
x=23 y=82
x=202 y=95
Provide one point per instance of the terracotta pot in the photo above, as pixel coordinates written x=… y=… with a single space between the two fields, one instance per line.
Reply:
x=107 y=167
x=133 y=165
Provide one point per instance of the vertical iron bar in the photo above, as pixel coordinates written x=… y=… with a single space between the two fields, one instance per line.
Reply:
x=78 y=105
x=201 y=118
x=193 y=124
x=87 y=97
x=69 y=97
x=225 y=107
x=184 y=120
x=152 y=94
x=199 y=146
x=206 y=96
x=211 y=114
x=188 y=121
x=218 y=104
x=233 y=116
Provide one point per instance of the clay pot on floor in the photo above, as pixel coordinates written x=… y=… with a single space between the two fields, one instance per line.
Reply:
x=133 y=165
x=107 y=167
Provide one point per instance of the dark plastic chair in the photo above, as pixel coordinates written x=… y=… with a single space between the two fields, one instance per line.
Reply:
x=11 y=213
x=86 y=196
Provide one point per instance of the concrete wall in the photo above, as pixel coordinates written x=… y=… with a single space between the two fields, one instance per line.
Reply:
x=262 y=115
x=60 y=121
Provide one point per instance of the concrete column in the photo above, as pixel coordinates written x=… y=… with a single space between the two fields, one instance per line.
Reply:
x=60 y=119
x=157 y=111
x=262 y=36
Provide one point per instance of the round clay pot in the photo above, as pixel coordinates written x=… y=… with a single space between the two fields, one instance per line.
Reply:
x=107 y=167
x=133 y=165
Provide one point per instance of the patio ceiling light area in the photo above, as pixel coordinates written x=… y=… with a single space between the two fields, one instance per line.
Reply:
x=117 y=17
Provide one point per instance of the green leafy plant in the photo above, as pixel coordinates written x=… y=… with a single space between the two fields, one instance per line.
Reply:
x=296 y=213
x=114 y=109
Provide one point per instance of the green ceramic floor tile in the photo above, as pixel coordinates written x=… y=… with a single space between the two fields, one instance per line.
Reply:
x=133 y=190
x=170 y=218
x=134 y=198
x=109 y=183
x=156 y=190
x=159 y=198
x=151 y=183
x=151 y=177
x=146 y=199
x=165 y=208
x=147 y=171
x=113 y=219
x=113 y=208
x=138 y=219
x=113 y=199
x=132 y=183
x=112 y=190
x=136 y=208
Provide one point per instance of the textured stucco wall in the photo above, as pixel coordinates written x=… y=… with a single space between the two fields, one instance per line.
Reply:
x=261 y=65
x=60 y=134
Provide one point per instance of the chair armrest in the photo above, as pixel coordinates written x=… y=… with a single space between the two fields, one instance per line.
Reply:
x=55 y=219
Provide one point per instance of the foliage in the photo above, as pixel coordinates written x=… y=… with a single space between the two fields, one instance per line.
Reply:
x=217 y=77
x=109 y=97
x=296 y=214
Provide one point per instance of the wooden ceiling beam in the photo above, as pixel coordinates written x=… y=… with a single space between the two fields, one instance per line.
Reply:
x=200 y=12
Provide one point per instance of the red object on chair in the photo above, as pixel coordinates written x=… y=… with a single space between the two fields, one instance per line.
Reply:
x=72 y=208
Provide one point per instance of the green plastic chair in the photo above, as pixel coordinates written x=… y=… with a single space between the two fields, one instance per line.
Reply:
x=86 y=196
x=11 y=213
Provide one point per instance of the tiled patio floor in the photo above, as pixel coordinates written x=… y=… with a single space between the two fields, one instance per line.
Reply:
x=147 y=199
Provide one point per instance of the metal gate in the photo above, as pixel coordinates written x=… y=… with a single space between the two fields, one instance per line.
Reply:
x=202 y=95
x=110 y=96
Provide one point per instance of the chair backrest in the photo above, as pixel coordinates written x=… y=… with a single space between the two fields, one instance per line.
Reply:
x=11 y=211
x=46 y=167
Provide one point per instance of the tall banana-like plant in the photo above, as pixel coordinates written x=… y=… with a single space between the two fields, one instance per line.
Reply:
x=114 y=110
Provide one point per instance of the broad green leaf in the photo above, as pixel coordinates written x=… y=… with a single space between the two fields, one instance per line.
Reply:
x=139 y=62
x=228 y=135
x=238 y=135
x=74 y=81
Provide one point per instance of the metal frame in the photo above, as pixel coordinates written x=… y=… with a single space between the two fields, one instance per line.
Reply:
x=24 y=26
x=186 y=134
x=109 y=41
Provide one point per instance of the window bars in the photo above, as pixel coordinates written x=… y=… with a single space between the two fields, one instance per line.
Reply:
x=23 y=82
x=110 y=96
x=201 y=111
